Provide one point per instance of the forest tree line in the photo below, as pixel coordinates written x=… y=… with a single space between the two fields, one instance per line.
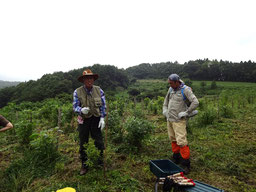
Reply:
x=51 y=85
x=197 y=70
x=112 y=78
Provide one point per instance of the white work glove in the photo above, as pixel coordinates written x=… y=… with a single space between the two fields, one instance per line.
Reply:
x=193 y=113
x=182 y=114
x=85 y=110
x=165 y=112
x=101 y=123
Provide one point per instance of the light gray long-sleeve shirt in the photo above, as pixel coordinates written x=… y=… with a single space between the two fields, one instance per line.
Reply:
x=174 y=102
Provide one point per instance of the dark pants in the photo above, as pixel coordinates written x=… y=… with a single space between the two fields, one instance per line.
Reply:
x=90 y=127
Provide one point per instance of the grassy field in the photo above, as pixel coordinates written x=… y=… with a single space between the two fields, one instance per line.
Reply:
x=222 y=143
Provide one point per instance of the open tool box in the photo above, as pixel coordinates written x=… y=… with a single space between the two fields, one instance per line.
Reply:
x=162 y=168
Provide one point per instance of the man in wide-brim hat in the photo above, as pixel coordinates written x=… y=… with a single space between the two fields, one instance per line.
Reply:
x=90 y=105
x=87 y=73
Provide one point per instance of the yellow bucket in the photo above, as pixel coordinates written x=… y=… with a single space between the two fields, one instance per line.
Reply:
x=67 y=189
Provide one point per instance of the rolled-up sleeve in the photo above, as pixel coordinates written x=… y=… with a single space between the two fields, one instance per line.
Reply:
x=76 y=103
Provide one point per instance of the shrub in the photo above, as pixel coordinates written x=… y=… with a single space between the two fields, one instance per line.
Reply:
x=15 y=176
x=138 y=112
x=146 y=102
x=225 y=97
x=24 y=130
x=203 y=87
x=114 y=125
x=188 y=82
x=119 y=105
x=159 y=102
x=39 y=160
x=49 y=111
x=152 y=107
x=67 y=113
x=134 y=92
x=202 y=104
x=93 y=154
x=137 y=131
x=43 y=153
x=213 y=85
x=226 y=111
x=207 y=116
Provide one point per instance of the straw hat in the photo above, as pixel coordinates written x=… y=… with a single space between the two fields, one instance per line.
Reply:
x=87 y=73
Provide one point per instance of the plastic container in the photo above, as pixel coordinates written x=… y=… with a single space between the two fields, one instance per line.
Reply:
x=202 y=187
x=164 y=167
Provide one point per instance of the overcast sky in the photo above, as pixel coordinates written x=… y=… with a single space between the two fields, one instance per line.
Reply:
x=39 y=37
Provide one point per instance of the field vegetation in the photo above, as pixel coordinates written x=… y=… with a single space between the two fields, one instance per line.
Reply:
x=41 y=152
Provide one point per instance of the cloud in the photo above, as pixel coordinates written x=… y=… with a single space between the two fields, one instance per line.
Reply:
x=39 y=37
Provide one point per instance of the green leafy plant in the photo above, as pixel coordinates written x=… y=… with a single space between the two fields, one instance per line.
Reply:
x=146 y=102
x=114 y=125
x=207 y=116
x=152 y=107
x=224 y=97
x=159 y=103
x=226 y=111
x=213 y=85
x=188 y=82
x=137 y=130
x=49 y=111
x=24 y=130
x=44 y=152
x=138 y=112
x=203 y=86
x=93 y=154
x=39 y=160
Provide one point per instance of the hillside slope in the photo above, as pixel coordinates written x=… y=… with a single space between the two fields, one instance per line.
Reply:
x=221 y=137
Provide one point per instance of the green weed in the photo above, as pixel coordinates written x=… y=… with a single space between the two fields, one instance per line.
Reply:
x=137 y=130
x=93 y=154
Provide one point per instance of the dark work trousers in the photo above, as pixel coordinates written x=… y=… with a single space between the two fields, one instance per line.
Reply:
x=90 y=127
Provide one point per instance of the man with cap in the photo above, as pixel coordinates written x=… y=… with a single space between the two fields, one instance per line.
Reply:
x=179 y=104
x=90 y=105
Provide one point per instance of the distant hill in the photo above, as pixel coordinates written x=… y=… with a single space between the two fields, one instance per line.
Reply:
x=4 y=84
x=197 y=70
x=112 y=78
x=51 y=85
